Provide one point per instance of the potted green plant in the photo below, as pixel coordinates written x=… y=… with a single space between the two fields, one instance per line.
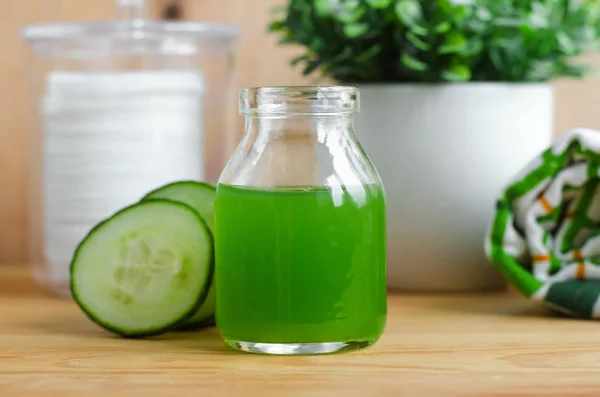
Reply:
x=456 y=98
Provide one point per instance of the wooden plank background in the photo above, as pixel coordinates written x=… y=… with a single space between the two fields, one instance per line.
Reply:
x=259 y=62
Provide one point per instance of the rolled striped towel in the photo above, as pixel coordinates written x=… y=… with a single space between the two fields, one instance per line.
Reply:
x=545 y=235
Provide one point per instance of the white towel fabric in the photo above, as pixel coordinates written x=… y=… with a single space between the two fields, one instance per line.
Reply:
x=545 y=235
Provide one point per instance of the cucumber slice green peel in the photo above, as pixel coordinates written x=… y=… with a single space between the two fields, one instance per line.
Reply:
x=198 y=195
x=201 y=197
x=145 y=269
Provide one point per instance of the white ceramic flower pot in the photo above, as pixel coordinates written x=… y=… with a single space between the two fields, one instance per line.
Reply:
x=444 y=153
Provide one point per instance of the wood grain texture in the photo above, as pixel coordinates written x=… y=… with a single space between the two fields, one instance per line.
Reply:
x=259 y=62
x=478 y=345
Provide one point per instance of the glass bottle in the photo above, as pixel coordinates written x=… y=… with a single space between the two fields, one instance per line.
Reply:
x=300 y=227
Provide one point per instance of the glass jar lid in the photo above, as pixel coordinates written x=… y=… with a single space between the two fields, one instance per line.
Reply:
x=132 y=33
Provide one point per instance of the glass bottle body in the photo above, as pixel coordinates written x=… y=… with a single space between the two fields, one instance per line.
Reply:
x=300 y=230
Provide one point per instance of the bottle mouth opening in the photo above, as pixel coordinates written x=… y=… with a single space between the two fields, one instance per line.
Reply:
x=332 y=100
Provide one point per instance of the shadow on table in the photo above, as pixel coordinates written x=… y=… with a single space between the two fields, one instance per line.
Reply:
x=77 y=326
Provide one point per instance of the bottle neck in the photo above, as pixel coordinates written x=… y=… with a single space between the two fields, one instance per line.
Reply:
x=297 y=150
x=320 y=128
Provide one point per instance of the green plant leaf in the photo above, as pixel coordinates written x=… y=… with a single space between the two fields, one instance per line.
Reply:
x=322 y=8
x=540 y=15
x=483 y=14
x=507 y=22
x=442 y=27
x=459 y=13
x=409 y=11
x=351 y=12
x=312 y=66
x=528 y=32
x=317 y=44
x=457 y=73
x=370 y=53
x=411 y=14
x=418 y=42
x=287 y=40
x=566 y=44
x=413 y=63
x=453 y=42
x=423 y=40
x=344 y=55
x=299 y=59
x=355 y=29
x=540 y=70
x=420 y=30
x=578 y=70
x=473 y=48
x=351 y=5
x=476 y=26
x=276 y=26
x=305 y=18
x=496 y=58
x=379 y=4
x=585 y=34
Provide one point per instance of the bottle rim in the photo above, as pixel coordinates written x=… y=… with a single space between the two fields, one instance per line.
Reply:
x=299 y=100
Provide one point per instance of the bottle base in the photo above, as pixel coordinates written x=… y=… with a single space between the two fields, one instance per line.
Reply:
x=295 y=349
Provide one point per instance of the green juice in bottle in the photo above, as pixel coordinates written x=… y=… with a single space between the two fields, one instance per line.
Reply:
x=297 y=265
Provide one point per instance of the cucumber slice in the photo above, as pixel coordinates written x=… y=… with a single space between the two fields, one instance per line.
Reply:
x=201 y=197
x=198 y=195
x=145 y=269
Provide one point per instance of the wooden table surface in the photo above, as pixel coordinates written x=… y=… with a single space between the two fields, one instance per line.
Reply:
x=493 y=344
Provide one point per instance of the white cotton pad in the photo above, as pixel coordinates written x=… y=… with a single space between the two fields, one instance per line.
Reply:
x=109 y=138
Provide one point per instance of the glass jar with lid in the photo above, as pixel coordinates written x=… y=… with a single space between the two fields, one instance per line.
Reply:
x=117 y=109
